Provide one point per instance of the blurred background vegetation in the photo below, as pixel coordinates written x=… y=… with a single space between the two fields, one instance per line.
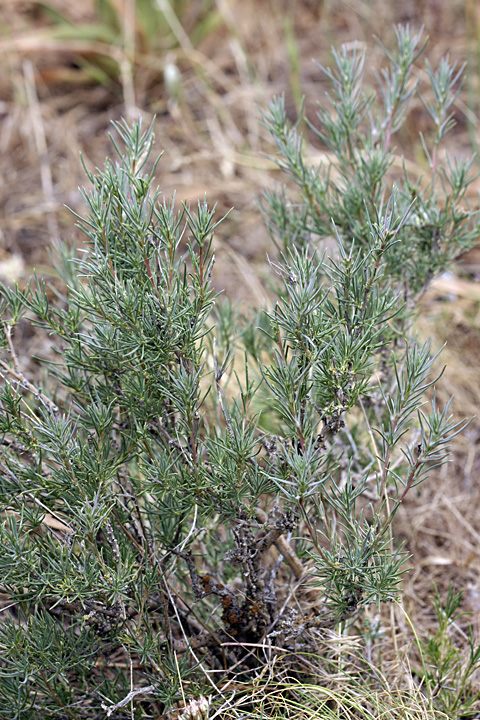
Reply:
x=205 y=68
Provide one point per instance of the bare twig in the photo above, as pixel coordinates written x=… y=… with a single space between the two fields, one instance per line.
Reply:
x=128 y=698
x=283 y=547
x=8 y=334
x=27 y=385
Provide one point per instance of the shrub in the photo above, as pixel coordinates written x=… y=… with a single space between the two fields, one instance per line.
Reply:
x=187 y=496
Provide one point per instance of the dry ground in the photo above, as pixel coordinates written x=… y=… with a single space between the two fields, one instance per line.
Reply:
x=51 y=109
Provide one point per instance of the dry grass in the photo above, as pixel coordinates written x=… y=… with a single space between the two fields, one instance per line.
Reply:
x=51 y=109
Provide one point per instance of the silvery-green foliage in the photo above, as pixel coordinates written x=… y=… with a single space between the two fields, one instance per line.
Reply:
x=184 y=485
